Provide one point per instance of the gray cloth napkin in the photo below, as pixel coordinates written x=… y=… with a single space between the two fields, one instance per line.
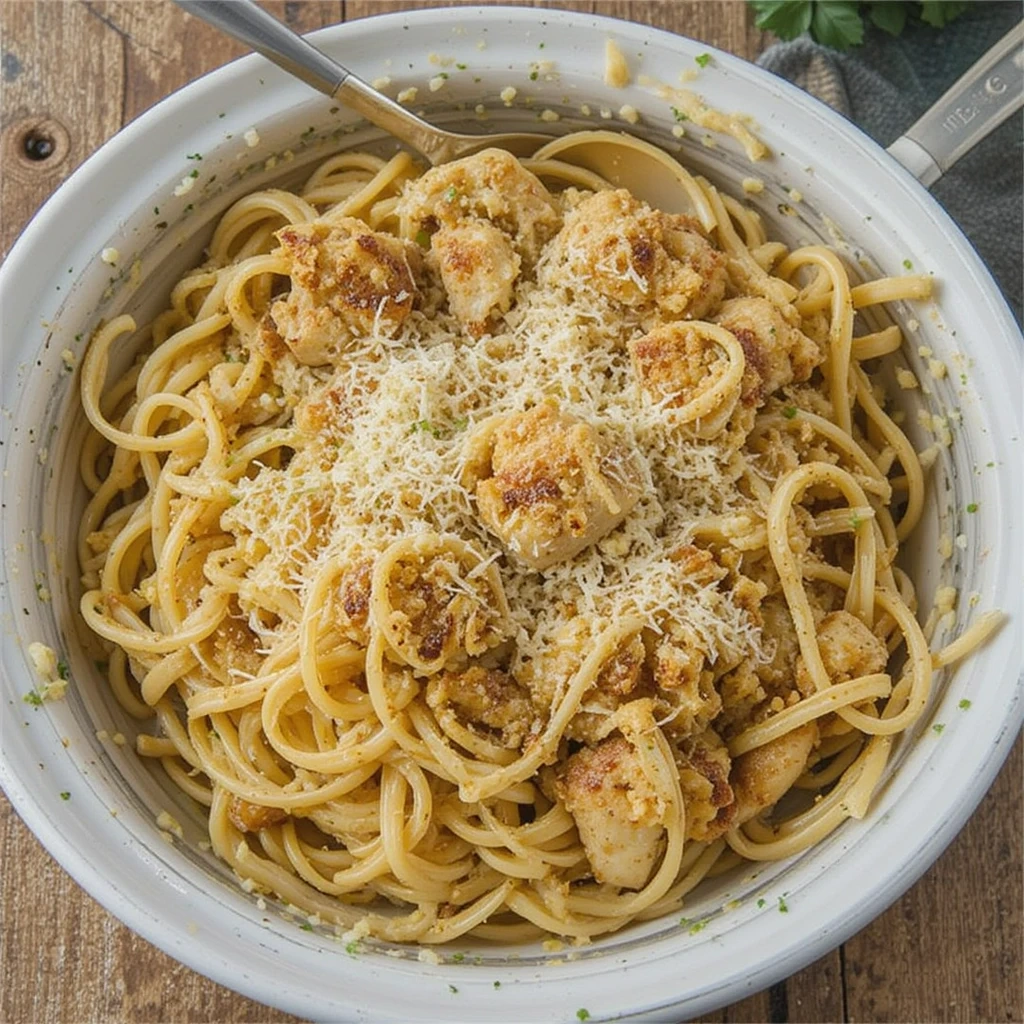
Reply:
x=886 y=84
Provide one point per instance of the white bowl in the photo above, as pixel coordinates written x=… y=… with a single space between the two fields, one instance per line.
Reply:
x=53 y=289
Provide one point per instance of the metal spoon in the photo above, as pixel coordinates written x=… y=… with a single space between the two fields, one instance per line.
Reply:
x=265 y=34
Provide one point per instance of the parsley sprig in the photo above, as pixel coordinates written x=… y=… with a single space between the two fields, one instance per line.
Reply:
x=840 y=23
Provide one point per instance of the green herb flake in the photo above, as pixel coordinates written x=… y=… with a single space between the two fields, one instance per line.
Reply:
x=783 y=906
x=194 y=173
x=156 y=213
x=497 y=984
x=698 y=926
x=423 y=238
x=33 y=698
x=306 y=926
x=855 y=521
x=703 y=59
x=907 y=265
x=964 y=704
x=65 y=795
x=352 y=947
x=683 y=922
x=938 y=727
x=762 y=903
x=452 y=989
x=582 y=1014
x=457 y=958
x=461 y=423
x=451 y=194
x=972 y=507
x=194 y=156
x=62 y=670
x=461 y=67
x=789 y=412
x=679 y=115
x=534 y=75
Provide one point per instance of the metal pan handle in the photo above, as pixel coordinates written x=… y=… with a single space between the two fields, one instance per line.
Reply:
x=978 y=103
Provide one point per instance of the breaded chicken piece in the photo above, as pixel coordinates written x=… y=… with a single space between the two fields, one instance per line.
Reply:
x=762 y=776
x=676 y=363
x=617 y=811
x=347 y=282
x=776 y=353
x=644 y=259
x=487 y=699
x=552 y=486
x=247 y=817
x=479 y=268
x=490 y=186
x=704 y=765
x=848 y=648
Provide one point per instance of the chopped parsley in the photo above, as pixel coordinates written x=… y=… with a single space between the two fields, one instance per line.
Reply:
x=534 y=75
x=33 y=698
x=783 y=906
x=582 y=1014
x=497 y=984
x=761 y=903
x=452 y=989
x=855 y=521
x=423 y=238
x=306 y=926
x=698 y=926
x=937 y=728
x=156 y=211
x=789 y=412
x=461 y=67
x=679 y=115
x=62 y=670
x=972 y=507
x=194 y=173
x=451 y=194
x=194 y=156
x=457 y=958
x=65 y=795
x=352 y=947
x=964 y=704
x=907 y=265
x=703 y=59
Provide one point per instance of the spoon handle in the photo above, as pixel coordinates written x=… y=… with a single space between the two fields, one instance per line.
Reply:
x=262 y=32
x=976 y=104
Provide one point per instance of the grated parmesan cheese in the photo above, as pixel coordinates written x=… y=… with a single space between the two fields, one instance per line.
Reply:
x=616 y=70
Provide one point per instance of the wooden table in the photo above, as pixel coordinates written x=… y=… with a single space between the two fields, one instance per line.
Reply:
x=949 y=950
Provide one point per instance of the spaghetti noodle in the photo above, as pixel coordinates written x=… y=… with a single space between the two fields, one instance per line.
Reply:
x=492 y=552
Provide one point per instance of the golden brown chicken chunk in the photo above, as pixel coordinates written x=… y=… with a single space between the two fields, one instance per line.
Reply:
x=553 y=486
x=848 y=649
x=642 y=258
x=478 y=268
x=617 y=810
x=776 y=353
x=247 y=817
x=491 y=186
x=762 y=776
x=487 y=700
x=704 y=766
x=348 y=282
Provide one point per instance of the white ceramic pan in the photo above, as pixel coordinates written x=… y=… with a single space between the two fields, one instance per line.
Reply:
x=54 y=287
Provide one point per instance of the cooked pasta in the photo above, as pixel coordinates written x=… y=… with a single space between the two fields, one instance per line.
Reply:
x=490 y=553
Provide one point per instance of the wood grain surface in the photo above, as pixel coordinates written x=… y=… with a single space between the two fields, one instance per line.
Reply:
x=74 y=73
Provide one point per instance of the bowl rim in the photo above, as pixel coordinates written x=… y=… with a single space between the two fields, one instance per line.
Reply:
x=128 y=902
